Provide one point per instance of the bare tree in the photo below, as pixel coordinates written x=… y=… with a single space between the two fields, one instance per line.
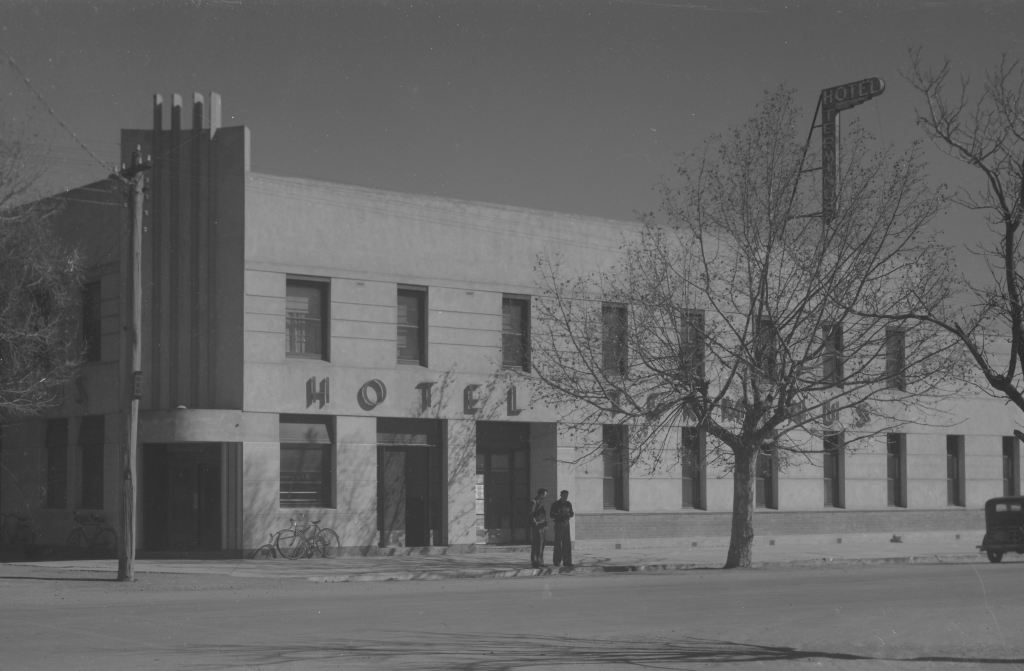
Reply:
x=39 y=279
x=734 y=310
x=985 y=132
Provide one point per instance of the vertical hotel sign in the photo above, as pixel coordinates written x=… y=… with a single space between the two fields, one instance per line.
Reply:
x=834 y=101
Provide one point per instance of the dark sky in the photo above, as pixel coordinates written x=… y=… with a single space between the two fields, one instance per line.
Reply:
x=568 y=106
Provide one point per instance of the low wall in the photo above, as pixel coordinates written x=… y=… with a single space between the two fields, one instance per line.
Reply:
x=698 y=524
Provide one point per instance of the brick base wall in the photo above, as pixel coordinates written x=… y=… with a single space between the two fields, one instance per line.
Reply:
x=775 y=523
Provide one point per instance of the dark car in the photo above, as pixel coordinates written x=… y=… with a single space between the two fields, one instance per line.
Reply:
x=1004 y=527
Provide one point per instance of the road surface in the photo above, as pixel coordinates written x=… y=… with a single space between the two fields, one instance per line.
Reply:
x=957 y=616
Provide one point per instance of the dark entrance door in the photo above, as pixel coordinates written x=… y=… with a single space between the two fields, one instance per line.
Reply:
x=503 y=482
x=410 y=497
x=181 y=497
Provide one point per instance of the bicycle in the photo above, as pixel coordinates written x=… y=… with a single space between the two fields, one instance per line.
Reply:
x=23 y=533
x=295 y=541
x=102 y=536
x=269 y=550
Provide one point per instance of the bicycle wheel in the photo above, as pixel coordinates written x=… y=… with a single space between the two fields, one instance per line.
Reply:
x=74 y=538
x=328 y=544
x=24 y=535
x=265 y=552
x=291 y=544
x=106 y=539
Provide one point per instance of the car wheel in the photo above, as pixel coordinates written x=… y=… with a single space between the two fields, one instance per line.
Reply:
x=994 y=556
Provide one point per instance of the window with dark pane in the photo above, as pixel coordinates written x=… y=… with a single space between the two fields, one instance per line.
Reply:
x=766 y=348
x=691 y=346
x=954 y=470
x=691 y=463
x=57 y=463
x=830 y=461
x=764 y=483
x=515 y=333
x=91 y=439
x=307 y=473
x=412 y=326
x=614 y=455
x=613 y=339
x=1011 y=466
x=92 y=325
x=832 y=361
x=306 y=319
x=894 y=470
x=895 y=359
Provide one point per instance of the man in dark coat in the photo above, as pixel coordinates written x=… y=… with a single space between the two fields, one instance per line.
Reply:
x=538 y=527
x=561 y=513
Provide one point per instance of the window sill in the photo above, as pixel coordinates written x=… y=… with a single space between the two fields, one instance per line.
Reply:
x=305 y=357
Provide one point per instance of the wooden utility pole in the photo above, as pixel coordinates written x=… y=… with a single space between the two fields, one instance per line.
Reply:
x=134 y=181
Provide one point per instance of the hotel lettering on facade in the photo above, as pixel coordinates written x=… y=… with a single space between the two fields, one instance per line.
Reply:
x=352 y=354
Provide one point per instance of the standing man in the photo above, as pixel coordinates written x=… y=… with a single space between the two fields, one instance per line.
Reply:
x=561 y=513
x=538 y=527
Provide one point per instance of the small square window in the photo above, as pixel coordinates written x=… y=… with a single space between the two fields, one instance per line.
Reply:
x=306 y=319
x=412 y=326
x=515 y=333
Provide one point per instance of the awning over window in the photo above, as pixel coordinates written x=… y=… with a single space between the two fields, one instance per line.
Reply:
x=305 y=429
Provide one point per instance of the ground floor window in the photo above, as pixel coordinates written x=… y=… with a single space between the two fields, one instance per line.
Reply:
x=307 y=462
x=57 y=463
x=691 y=463
x=1011 y=466
x=832 y=461
x=615 y=454
x=896 y=470
x=955 y=486
x=766 y=479
x=91 y=438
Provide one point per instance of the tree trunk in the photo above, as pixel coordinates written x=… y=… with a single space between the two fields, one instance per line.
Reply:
x=743 y=481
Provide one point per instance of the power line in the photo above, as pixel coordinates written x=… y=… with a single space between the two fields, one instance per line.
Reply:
x=50 y=109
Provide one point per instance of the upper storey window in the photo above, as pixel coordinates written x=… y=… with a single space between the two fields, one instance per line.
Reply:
x=306 y=319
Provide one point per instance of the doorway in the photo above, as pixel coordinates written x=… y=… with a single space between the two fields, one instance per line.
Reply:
x=410 y=497
x=503 y=482
x=182 y=497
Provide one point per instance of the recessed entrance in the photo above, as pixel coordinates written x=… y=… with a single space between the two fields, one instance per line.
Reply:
x=410 y=499
x=181 y=497
x=503 y=482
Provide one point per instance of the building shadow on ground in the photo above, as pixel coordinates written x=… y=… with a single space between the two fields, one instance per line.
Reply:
x=502 y=652
x=55 y=579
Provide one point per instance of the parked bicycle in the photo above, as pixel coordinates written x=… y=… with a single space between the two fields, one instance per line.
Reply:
x=92 y=532
x=302 y=541
x=269 y=550
x=22 y=533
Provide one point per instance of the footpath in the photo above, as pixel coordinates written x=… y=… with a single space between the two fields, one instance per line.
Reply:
x=515 y=562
